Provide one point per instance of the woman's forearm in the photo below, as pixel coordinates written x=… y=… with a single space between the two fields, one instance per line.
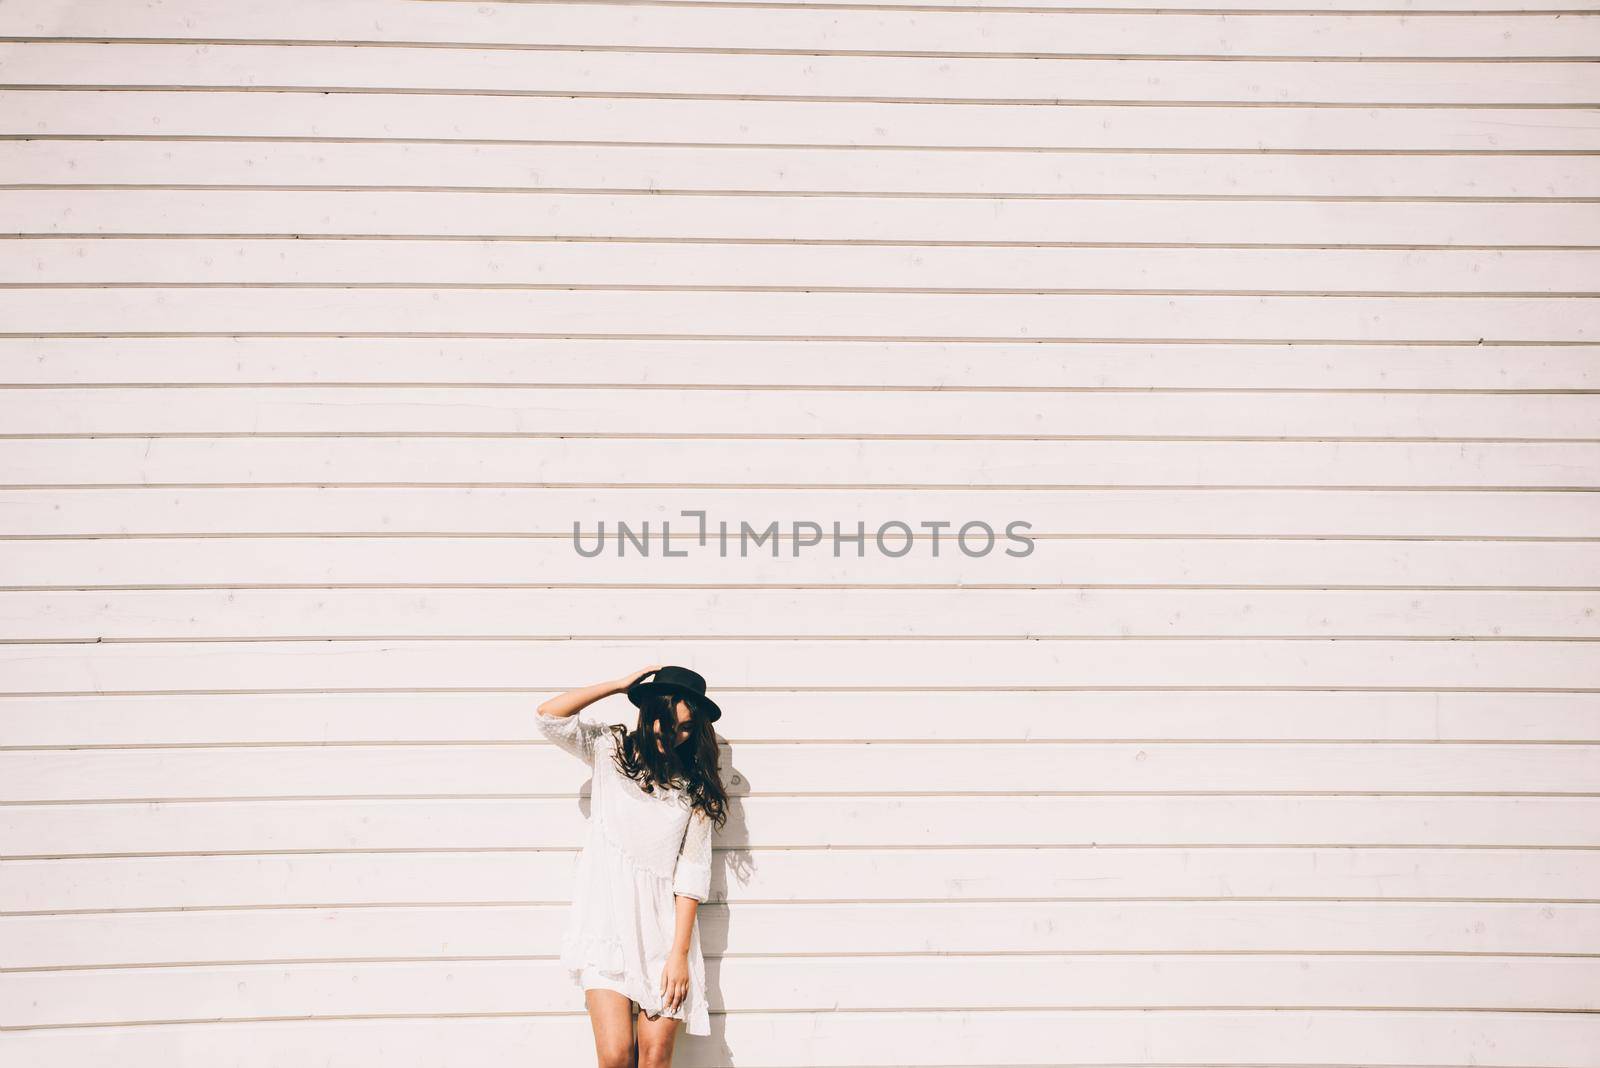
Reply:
x=573 y=701
x=687 y=908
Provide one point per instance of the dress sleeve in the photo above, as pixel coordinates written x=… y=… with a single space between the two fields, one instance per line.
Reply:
x=692 y=876
x=571 y=733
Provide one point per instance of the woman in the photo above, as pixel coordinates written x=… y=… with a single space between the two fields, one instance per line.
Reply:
x=631 y=942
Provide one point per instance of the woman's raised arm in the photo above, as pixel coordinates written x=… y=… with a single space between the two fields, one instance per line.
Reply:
x=557 y=719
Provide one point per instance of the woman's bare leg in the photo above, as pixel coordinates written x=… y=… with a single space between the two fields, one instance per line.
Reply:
x=656 y=1039
x=611 y=1014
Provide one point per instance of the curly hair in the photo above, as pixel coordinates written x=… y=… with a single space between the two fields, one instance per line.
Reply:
x=692 y=765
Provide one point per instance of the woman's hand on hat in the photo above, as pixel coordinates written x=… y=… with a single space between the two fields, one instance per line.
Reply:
x=626 y=681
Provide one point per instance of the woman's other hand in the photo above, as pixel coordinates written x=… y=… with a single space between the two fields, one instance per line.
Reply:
x=674 y=981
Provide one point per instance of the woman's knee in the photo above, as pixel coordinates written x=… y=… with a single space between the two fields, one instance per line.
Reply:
x=615 y=1055
x=655 y=1054
x=656 y=1042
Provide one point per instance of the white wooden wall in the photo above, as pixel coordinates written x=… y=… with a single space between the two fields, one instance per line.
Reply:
x=323 y=320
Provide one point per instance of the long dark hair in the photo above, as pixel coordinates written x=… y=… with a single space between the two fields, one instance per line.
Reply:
x=693 y=766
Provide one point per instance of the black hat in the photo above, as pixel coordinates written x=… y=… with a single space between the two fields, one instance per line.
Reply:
x=679 y=681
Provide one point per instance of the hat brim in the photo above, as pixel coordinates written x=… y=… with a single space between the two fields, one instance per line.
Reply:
x=639 y=691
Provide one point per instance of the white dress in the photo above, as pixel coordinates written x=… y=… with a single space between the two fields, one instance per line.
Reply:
x=642 y=850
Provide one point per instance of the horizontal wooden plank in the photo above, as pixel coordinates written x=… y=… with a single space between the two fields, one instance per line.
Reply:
x=816 y=984
x=1128 y=878
x=825 y=29
x=783 y=314
x=488 y=513
x=852 y=1039
x=890 y=663
x=1020 y=613
x=569 y=264
x=780 y=219
x=922 y=366
x=996 y=768
x=906 y=823
x=505 y=563
x=180 y=937
x=808 y=715
x=95 y=310
x=1137 y=127
x=1330 y=6
x=272 y=410
x=908 y=78
x=894 y=171
x=706 y=463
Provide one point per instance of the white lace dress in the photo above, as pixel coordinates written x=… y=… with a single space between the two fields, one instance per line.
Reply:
x=641 y=852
